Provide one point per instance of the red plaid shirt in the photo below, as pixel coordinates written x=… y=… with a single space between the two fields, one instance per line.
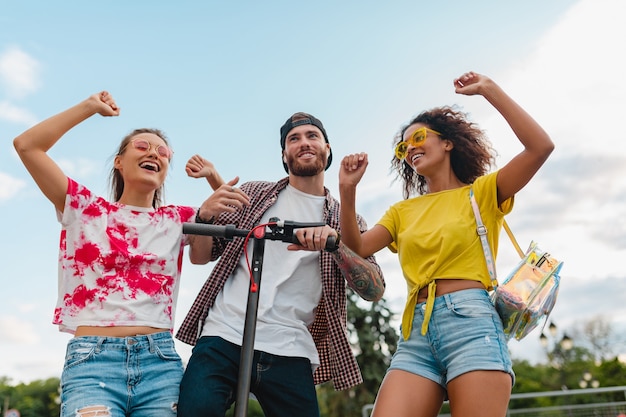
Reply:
x=329 y=331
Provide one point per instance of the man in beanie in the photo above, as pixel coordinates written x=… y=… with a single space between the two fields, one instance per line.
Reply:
x=301 y=335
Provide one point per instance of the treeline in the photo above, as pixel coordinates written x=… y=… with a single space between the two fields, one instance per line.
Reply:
x=36 y=399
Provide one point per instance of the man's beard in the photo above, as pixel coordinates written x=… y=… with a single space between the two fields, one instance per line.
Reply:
x=309 y=170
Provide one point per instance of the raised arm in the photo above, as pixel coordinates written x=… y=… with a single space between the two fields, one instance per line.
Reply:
x=367 y=243
x=199 y=167
x=537 y=144
x=32 y=145
x=225 y=198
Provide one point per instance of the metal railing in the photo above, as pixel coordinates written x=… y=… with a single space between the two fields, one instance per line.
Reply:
x=599 y=407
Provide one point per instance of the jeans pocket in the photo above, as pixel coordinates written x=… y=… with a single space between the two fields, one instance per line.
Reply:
x=78 y=353
x=167 y=351
x=473 y=308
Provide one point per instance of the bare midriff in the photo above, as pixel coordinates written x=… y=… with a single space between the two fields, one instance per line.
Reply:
x=446 y=286
x=116 y=331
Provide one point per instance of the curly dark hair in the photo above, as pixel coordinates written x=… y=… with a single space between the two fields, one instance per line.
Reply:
x=115 y=178
x=471 y=157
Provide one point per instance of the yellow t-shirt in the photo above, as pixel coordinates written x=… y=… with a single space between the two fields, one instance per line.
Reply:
x=435 y=238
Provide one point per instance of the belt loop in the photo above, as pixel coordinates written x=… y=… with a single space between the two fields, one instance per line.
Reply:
x=449 y=302
x=151 y=342
x=99 y=344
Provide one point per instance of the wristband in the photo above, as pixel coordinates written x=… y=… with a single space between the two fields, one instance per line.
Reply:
x=203 y=221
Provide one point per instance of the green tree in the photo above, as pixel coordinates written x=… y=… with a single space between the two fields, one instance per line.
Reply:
x=532 y=378
x=611 y=373
x=597 y=334
x=39 y=398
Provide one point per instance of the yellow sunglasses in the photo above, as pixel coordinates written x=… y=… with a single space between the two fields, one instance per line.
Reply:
x=417 y=139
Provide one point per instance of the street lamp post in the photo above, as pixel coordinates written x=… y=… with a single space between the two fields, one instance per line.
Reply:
x=558 y=353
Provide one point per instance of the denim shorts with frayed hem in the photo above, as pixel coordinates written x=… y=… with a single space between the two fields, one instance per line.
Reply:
x=136 y=376
x=464 y=334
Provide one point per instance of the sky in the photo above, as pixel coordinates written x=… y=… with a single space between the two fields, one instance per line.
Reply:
x=220 y=78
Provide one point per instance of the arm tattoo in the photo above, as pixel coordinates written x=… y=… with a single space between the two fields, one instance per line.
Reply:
x=362 y=276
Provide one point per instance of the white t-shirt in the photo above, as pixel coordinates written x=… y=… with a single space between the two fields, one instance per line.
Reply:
x=119 y=265
x=289 y=292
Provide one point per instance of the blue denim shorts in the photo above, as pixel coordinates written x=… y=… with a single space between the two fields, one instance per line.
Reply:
x=135 y=376
x=464 y=334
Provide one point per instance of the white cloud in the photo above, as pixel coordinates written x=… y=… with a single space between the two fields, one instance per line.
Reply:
x=569 y=85
x=17 y=331
x=575 y=204
x=79 y=167
x=19 y=72
x=9 y=186
x=570 y=80
x=12 y=113
x=26 y=308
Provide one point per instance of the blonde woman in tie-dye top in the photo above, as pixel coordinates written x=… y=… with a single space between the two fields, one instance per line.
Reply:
x=119 y=269
x=452 y=343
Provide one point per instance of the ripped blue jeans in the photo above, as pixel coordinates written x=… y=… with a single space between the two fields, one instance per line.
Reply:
x=136 y=376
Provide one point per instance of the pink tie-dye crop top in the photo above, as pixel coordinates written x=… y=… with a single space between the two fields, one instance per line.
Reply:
x=119 y=265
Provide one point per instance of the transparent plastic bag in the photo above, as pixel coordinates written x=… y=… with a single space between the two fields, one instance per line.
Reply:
x=527 y=295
